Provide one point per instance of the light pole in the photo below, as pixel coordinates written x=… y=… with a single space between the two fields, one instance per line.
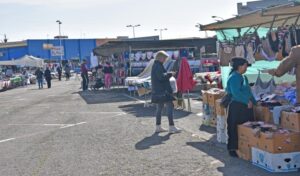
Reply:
x=160 y=32
x=218 y=18
x=4 y=38
x=59 y=30
x=133 y=28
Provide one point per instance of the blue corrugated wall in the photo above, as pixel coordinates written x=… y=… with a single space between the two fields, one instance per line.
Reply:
x=73 y=49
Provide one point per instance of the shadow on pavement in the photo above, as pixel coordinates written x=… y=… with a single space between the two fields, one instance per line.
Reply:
x=103 y=96
x=152 y=140
x=208 y=129
x=231 y=166
x=138 y=110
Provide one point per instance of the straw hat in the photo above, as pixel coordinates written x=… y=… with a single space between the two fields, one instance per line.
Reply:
x=161 y=54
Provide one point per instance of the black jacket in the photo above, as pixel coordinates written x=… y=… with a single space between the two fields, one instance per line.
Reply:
x=47 y=74
x=160 y=79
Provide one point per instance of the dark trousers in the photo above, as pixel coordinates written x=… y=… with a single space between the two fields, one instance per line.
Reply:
x=170 y=109
x=40 y=83
x=59 y=76
x=68 y=76
x=85 y=81
x=48 y=82
x=238 y=114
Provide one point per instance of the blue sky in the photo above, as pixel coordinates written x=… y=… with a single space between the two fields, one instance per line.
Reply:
x=24 y=19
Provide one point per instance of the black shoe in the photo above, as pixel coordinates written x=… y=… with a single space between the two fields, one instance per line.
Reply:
x=233 y=154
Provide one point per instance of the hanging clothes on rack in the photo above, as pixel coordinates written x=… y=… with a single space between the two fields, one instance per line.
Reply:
x=225 y=54
x=240 y=51
x=250 y=53
x=261 y=87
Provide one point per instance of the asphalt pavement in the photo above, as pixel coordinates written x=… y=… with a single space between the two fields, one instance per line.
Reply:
x=64 y=132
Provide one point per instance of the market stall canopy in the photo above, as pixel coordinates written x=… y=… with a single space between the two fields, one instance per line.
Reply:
x=118 y=47
x=25 y=61
x=5 y=63
x=29 y=61
x=271 y=17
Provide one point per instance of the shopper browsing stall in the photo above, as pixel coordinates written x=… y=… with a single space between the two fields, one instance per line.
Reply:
x=242 y=101
x=108 y=71
x=162 y=92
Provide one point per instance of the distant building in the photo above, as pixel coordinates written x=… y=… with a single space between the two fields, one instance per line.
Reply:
x=257 y=5
x=50 y=49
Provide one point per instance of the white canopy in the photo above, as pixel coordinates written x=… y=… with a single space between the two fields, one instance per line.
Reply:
x=25 y=61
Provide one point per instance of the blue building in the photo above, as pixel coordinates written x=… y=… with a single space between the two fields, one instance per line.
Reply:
x=49 y=49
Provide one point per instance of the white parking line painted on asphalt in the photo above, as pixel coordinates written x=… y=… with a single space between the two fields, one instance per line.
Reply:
x=51 y=130
x=6 y=140
x=72 y=125
x=37 y=124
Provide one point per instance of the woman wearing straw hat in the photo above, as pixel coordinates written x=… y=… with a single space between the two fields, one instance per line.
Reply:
x=162 y=92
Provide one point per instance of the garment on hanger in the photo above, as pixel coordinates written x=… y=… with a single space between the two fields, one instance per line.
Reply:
x=240 y=51
x=225 y=54
x=258 y=54
x=261 y=87
x=250 y=53
x=273 y=41
x=267 y=51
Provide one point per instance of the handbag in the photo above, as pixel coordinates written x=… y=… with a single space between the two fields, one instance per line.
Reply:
x=226 y=100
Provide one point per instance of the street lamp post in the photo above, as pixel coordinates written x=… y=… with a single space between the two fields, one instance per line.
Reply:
x=133 y=28
x=218 y=18
x=160 y=32
x=60 y=45
x=4 y=38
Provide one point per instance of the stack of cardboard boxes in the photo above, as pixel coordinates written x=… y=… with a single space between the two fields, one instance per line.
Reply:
x=222 y=136
x=275 y=148
x=209 y=99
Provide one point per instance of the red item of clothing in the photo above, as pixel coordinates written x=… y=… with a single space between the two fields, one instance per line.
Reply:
x=185 y=81
x=84 y=69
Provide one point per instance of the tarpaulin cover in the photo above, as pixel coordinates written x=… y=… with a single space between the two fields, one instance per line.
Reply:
x=185 y=81
x=252 y=73
x=285 y=15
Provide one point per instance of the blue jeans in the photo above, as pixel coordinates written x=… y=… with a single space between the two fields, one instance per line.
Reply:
x=170 y=109
x=40 y=83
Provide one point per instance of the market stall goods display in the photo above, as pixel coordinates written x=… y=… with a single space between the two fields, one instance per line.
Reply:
x=277 y=163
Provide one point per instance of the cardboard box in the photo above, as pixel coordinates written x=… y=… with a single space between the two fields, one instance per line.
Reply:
x=279 y=142
x=247 y=134
x=204 y=97
x=221 y=122
x=213 y=97
x=284 y=162
x=219 y=109
x=244 y=151
x=263 y=114
x=213 y=122
x=222 y=136
x=290 y=120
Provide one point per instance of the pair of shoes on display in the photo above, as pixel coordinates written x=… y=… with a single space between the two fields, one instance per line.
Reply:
x=172 y=129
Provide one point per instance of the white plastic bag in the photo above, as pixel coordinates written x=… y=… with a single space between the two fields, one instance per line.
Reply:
x=173 y=84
